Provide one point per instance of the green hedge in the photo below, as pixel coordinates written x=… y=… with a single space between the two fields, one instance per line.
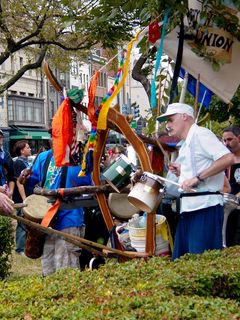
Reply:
x=6 y=245
x=203 y=286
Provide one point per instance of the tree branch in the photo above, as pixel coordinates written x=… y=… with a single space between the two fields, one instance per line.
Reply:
x=136 y=72
x=25 y=68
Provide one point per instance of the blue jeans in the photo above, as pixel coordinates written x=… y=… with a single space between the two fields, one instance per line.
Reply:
x=20 y=235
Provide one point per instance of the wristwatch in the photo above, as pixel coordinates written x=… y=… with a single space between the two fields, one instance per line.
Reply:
x=200 y=179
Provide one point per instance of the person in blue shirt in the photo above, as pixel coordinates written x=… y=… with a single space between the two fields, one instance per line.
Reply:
x=58 y=253
x=7 y=180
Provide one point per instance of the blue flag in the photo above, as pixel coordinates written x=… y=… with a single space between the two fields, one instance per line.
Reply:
x=204 y=94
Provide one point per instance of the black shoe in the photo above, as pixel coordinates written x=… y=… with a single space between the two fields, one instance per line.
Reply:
x=96 y=262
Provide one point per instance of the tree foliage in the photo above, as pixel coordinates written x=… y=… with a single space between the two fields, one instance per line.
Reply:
x=57 y=29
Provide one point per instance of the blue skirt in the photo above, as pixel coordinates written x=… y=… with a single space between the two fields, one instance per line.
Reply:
x=198 y=231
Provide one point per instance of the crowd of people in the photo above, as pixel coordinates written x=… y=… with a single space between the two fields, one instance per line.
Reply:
x=205 y=167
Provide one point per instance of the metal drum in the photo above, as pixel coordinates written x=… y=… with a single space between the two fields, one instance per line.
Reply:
x=118 y=174
x=120 y=207
x=147 y=193
x=231 y=202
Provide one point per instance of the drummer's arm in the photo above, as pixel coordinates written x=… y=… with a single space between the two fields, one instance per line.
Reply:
x=226 y=186
x=21 y=190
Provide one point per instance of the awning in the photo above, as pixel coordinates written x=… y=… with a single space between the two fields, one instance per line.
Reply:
x=34 y=135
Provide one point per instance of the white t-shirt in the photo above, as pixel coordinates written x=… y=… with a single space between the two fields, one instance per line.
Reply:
x=200 y=149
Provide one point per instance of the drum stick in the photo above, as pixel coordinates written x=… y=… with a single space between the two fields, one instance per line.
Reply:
x=30 y=169
x=19 y=205
x=173 y=182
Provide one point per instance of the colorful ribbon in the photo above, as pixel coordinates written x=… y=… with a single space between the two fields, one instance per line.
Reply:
x=102 y=120
x=158 y=60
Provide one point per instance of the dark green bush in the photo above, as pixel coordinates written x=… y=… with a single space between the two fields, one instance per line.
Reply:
x=6 y=245
x=194 y=287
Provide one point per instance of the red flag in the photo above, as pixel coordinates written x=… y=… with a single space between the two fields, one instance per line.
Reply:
x=91 y=97
x=153 y=32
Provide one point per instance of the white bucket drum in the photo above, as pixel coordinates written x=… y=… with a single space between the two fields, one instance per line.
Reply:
x=138 y=237
x=231 y=202
x=147 y=193
x=118 y=174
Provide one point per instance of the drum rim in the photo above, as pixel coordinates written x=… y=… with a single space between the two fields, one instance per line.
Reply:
x=153 y=176
x=25 y=209
x=122 y=156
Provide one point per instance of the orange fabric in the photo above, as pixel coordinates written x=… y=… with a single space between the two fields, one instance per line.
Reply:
x=62 y=133
x=50 y=214
x=157 y=160
x=91 y=98
x=46 y=221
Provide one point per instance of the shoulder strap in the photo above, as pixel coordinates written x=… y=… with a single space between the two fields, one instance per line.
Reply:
x=45 y=168
x=63 y=177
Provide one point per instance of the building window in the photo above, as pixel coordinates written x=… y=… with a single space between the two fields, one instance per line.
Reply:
x=25 y=110
x=29 y=110
x=97 y=101
x=74 y=68
x=21 y=62
x=10 y=110
x=105 y=80
x=13 y=92
x=12 y=64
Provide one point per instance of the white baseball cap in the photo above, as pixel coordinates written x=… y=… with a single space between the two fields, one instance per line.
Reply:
x=174 y=108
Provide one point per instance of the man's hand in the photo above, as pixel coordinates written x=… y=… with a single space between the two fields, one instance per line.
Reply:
x=24 y=175
x=189 y=184
x=175 y=168
x=136 y=176
x=6 y=204
x=3 y=189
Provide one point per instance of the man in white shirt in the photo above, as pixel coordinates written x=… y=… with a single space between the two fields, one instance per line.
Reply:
x=200 y=165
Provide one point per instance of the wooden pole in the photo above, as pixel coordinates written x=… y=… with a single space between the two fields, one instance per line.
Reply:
x=78 y=241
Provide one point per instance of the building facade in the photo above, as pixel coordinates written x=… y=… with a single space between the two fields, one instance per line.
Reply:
x=28 y=106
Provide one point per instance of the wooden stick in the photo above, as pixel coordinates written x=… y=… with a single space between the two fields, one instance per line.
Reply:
x=173 y=182
x=78 y=241
x=74 y=191
x=39 y=151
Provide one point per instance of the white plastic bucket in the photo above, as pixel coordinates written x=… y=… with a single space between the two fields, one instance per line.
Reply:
x=138 y=237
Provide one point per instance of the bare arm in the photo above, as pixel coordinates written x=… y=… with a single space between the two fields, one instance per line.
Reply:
x=10 y=189
x=217 y=166
x=21 y=190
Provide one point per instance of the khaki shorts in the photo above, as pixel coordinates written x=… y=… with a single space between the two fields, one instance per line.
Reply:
x=58 y=253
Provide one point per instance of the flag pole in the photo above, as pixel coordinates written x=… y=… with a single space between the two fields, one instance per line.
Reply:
x=184 y=88
x=196 y=96
x=201 y=104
